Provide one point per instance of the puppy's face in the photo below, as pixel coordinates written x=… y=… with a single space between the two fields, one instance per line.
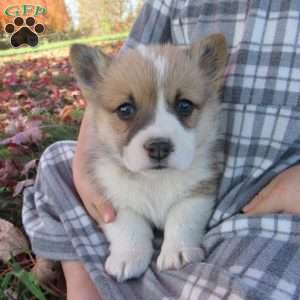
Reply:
x=153 y=106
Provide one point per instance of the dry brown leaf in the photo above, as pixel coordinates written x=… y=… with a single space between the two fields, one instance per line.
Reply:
x=12 y=241
x=46 y=270
x=66 y=112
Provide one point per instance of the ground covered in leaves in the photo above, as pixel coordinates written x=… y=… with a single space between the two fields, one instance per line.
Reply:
x=40 y=103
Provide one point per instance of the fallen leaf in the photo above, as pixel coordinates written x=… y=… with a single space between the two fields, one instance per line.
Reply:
x=29 y=135
x=21 y=185
x=29 y=166
x=5 y=95
x=66 y=112
x=18 y=150
x=12 y=241
x=9 y=168
x=46 y=270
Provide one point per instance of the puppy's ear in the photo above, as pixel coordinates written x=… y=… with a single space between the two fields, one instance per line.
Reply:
x=211 y=55
x=89 y=65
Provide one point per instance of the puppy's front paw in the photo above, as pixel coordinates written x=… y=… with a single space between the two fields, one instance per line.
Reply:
x=177 y=257
x=128 y=264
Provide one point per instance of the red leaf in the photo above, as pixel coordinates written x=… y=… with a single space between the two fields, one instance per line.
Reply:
x=9 y=168
x=5 y=95
x=16 y=149
x=21 y=94
x=28 y=136
x=8 y=182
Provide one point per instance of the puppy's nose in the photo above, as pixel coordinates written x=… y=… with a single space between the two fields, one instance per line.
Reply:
x=158 y=148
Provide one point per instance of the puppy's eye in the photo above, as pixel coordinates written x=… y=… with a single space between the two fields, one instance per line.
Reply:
x=184 y=108
x=126 y=111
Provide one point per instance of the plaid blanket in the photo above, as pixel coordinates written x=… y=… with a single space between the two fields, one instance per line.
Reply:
x=245 y=257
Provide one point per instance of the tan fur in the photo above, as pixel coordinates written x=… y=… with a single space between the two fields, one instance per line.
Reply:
x=176 y=192
x=211 y=55
x=133 y=78
x=183 y=81
x=129 y=79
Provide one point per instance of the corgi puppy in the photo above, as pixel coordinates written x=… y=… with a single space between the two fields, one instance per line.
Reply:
x=155 y=114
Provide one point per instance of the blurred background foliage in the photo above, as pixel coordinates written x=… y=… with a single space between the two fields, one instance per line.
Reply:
x=40 y=103
x=73 y=19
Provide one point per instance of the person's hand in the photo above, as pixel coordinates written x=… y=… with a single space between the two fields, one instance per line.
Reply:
x=281 y=195
x=98 y=208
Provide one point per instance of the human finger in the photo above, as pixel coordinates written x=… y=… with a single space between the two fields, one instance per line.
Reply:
x=105 y=210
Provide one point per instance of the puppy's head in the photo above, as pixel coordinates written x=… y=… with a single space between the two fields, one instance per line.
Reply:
x=155 y=106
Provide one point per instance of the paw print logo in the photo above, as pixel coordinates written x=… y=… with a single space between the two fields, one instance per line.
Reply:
x=24 y=34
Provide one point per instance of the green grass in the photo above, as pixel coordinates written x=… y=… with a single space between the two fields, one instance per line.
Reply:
x=25 y=285
x=45 y=46
x=16 y=282
x=20 y=284
x=58 y=132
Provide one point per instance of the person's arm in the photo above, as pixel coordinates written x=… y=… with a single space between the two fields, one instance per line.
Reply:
x=281 y=195
x=96 y=205
x=152 y=26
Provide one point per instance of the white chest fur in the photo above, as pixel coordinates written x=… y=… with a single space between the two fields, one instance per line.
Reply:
x=150 y=194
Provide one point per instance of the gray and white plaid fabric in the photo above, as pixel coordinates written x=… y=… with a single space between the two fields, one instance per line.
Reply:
x=245 y=257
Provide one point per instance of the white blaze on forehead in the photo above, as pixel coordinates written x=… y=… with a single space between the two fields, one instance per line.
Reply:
x=159 y=61
x=163 y=120
x=165 y=125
